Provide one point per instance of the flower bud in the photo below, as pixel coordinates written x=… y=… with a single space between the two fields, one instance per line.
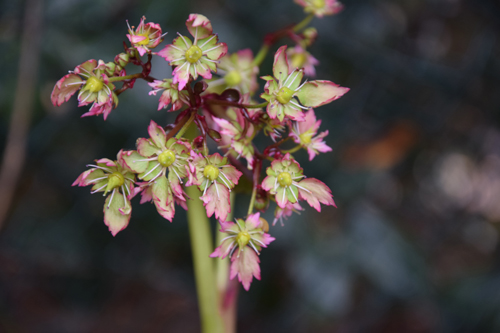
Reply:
x=122 y=59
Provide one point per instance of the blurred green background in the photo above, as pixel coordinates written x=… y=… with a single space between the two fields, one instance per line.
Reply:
x=415 y=172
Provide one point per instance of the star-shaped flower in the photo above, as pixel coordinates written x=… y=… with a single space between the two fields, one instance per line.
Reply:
x=215 y=178
x=320 y=7
x=170 y=94
x=197 y=57
x=154 y=158
x=145 y=37
x=284 y=180
x=281 y=94
x=304 y=133
x=94 y=86
x=111 y=177
x=238 y=72
x=243 y=244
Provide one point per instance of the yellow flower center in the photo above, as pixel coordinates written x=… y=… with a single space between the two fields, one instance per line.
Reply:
x=115 y=180
x=193 y=54
x=243 y=238
x=145 y=41
x=318 y=3
x=298 y=60
x=306 y=137
x=285 y=179
x=94 y=84
x=211 y=172
x=285 y=95
x=167 y=158
x=233 y=78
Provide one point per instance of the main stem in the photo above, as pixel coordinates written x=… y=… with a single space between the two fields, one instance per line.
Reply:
x=201 y=246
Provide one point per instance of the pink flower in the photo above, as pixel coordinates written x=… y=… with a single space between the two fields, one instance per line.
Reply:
x=243 y=244
x=303 y=133
x=170 y=94
x=237 y=72
x=145 y=37
x=216 y=178
x=91 y=79
x=321 y=7
x=197 y=57
x=300 y=58
x=285 y=213
x=284 y=180
x=162 y=164
x=111 y=177
x=282 y=89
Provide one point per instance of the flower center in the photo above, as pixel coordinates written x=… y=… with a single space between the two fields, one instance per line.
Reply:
x=145 y=41
x=115 y=180
x=211 y=172
x=94 y=84
x=243 y=238
x=298 y=60
x=233 y=78
x=285 y=95
x=285 y=179
x=193 y=54
x=318 y=3
x=167 y=158
x=306 y=137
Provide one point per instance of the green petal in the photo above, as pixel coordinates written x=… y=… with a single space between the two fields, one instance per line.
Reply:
x=317 y=93
x=113 y=218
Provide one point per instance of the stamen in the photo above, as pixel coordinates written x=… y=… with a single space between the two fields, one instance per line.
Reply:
x=293 y=193
x=98 y=167
x=224 y=180
x=92 y=192
x=150 y=171
x=195 y=36
x=284 y=192
x=300 y=86
x=128 y=25
x=180 y=180
x=97 y=179
x=238 y=223
x=206 y=186
x=213 y=48
x=74 y=83
x=124 y=197
x=155 y=177
x=217 y=190
x=208 y=40
x=296 y=184
x=222 y=241
x=146 y=160
x=112 y=195
x=187 y=45
x=181 y=58
x=288 y=78
x=214 y=61
x=175 y=47
x=253 y=247
x=299 y=106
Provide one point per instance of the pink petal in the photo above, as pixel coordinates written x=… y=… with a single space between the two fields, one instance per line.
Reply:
x=280 y=66
x=317 y=93
x=316 y=192
x=245 y=264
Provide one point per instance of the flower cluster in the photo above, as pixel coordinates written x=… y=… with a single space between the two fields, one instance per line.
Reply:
x=223 y=109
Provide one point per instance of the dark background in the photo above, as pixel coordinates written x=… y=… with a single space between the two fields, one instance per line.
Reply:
x=415 y=172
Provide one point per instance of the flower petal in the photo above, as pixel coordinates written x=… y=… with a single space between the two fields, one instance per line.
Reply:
x=315 y=192
x=317 y=93
x=65 y=88
x=280 y=66
x=199 y=26
x=216 y=200
x=157 y=134
x=245 y=264
x=113 y=218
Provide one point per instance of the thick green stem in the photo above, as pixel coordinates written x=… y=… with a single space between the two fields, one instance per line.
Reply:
x=228 y=289
x=201 y=245
x=292 y=150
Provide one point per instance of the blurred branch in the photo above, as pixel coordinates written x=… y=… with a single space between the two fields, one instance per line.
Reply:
x=15 y=149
